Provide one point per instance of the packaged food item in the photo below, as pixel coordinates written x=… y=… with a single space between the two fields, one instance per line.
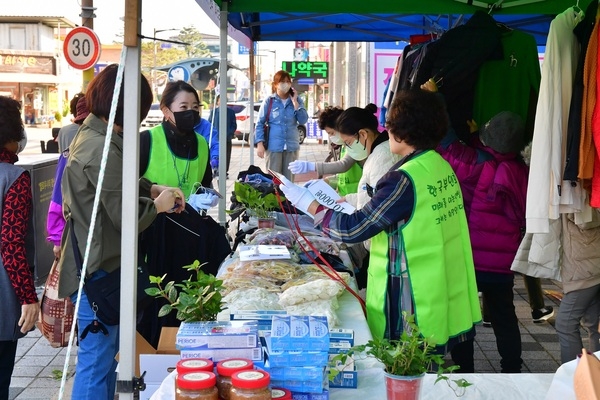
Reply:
x=225 y=369
x=250 y=385
x=196 y=386
x=320 y=289
x=194 y=365
x=251 y=299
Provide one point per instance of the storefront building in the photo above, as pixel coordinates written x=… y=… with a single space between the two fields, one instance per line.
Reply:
x=32 y=66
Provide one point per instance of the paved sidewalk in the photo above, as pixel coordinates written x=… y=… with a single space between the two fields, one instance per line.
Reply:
x=36 y=361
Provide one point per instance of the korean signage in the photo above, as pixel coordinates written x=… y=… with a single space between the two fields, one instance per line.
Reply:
x=245 y=50
x=27 y=64
x=307 y=69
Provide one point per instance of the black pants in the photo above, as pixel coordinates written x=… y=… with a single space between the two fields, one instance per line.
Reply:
x=500 y=309
x=8 y=351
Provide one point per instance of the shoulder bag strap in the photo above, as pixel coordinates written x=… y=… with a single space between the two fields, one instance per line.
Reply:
x=269 y=110
x=76 y=252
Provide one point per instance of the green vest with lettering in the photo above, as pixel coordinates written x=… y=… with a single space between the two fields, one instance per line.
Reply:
x=165 y=168
x=348 y=181
x=437 y=257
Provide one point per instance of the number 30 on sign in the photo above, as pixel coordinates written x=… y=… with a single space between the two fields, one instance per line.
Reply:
x=82 y=48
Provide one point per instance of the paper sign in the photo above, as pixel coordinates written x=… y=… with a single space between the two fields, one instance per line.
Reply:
x=264 y=252
x=327 y=196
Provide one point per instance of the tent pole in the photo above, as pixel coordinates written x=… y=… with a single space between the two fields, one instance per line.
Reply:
x=130 y=192
x=223 y=111
x=252 y=77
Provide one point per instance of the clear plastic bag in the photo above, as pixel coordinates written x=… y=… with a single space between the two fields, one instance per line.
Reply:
x=252 y=299
x=318 y=307
x=320 y=289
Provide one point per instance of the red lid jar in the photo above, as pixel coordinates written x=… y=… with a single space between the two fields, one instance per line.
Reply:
x=250 y=385
x=194 y=365
x=225 y=369
x=196 y=386
x=281 y=394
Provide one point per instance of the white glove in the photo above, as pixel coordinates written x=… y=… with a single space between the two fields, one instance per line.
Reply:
x=203 y=201
x=301 y=167
x=299 y=196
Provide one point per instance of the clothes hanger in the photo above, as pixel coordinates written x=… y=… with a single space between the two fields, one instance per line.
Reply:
x=576 y=8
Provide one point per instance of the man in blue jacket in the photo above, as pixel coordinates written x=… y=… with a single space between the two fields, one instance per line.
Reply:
x=231 y=127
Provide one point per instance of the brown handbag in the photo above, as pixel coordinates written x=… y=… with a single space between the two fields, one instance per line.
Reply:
x=266 y=126
x=56 y=316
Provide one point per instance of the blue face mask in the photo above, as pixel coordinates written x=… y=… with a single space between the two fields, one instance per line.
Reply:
x=357 y=150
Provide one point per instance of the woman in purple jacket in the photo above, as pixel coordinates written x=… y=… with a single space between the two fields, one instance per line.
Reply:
x=493 y=179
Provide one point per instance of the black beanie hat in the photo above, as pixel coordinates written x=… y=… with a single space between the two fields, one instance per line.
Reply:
x=504 y=132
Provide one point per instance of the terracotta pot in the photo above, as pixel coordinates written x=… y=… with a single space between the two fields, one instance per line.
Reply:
x=266 y=222
x=403 y=387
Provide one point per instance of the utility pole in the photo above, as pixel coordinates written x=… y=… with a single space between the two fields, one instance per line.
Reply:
x=87 y=19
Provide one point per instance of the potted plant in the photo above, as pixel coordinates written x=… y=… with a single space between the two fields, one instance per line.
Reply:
x=258 y=204
x=198 y=299
x=405 y=362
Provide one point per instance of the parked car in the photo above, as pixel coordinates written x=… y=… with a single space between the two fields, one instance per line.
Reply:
x=154 y=117
x=242 y=116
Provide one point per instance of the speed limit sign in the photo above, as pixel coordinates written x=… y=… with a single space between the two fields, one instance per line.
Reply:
x=82 y=48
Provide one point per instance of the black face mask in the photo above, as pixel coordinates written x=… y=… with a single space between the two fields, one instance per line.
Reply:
x=185 y=121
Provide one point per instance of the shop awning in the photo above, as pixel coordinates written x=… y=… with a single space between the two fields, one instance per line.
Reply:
x=30 y=78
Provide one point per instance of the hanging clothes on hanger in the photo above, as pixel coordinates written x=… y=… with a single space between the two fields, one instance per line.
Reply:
x=453 y=61
x=583 y=32
x=511 y=83
x=390 y=90
x=543 y=207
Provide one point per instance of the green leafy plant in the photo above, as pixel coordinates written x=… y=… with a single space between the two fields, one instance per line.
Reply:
x=256 y=202
x=58 y=116
x=197 y=299
x=411 y=355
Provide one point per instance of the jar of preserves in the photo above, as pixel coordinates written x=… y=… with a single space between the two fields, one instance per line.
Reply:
x=194 y=365
x=196 y=386
x=225 y=369
x=281 y=394
x=250 y=385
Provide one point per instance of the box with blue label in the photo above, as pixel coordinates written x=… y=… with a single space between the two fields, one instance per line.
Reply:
x=262 y=317
x=255 y=354
x=345 y=379
x=294 y=358
x=311 y=396
x=297 y=373
x=299 y=333
x=341 y=335
x=339 y=347
x=299 y=386
x=217 y=335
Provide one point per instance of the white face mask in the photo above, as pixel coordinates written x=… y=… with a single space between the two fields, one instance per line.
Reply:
x=335 y=139
x=357 y=150
x=22 y=142
x=284 y=87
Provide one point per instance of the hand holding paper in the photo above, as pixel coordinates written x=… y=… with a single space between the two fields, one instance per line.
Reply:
x=300 y=197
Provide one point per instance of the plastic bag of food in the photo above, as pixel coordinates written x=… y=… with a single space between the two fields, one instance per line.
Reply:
x=273 y=237
x=251 y=299
x=320 y=289
x=277 y=270
x=318 y=307
x=321 y=243
x=240 y=282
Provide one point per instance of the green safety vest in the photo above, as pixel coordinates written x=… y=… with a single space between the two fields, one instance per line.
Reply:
x=348 y=181
x=165 y=168
x=438 y=259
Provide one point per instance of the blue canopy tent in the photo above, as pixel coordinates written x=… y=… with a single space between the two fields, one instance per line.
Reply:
x=247 y=21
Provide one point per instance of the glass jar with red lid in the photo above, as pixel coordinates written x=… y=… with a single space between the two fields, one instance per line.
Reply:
x=225 y=369
x=250 y=385
x=196 y=386
x=281 y=394
x=195 y=365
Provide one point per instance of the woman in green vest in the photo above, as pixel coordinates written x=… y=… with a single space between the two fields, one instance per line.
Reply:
x=421 y=259
x=173 y=152
x=348 y=170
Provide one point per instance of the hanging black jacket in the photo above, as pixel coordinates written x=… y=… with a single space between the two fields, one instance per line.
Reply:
x=453 y=61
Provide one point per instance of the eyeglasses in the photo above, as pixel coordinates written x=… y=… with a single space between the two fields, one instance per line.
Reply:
x=349 y=146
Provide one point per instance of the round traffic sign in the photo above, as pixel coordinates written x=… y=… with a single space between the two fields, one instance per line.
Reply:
x=82 y=48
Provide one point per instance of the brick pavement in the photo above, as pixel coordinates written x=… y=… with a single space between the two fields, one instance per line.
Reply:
x=36 y=361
